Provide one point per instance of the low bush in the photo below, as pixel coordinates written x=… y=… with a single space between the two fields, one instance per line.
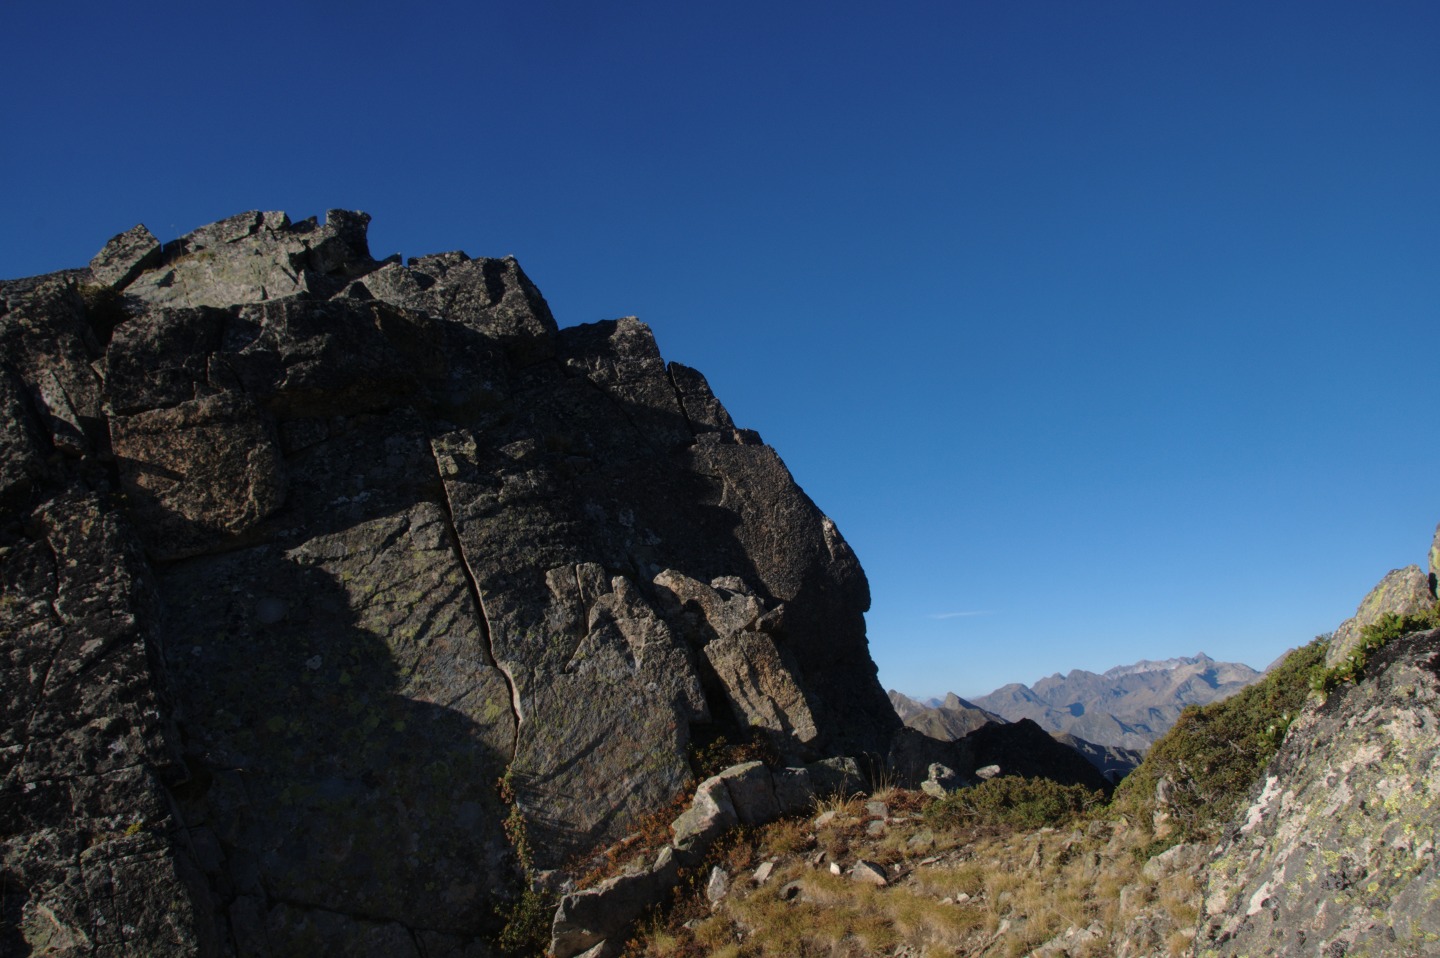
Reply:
x=1372 y=637
x=1212 y=756
x=527 y=921
x=1013 y=802
x=718 y=754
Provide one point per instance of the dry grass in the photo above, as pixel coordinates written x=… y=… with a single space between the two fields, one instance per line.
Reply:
x=844 y=805
x=956 y=891
x=650 y=834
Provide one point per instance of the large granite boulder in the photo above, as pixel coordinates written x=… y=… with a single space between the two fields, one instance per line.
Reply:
x=1336 y=853
x=303 y=552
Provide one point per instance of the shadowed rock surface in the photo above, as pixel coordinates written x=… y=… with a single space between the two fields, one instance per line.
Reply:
x=1113 y=761
x=303 y=551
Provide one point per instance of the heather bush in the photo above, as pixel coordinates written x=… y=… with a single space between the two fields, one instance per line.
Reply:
x=1013 y=802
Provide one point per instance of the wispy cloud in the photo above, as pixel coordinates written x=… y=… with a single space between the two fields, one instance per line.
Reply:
x=960 y=615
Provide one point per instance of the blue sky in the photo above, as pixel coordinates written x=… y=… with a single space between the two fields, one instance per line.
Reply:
x=1104 y=330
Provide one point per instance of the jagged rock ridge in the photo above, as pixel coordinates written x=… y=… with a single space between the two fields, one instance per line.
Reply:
x=302 y=551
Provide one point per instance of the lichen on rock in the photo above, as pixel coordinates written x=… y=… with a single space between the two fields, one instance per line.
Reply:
x=1335 y=854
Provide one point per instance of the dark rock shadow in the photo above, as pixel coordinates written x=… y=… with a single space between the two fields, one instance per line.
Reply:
x=13 y=898
x=329 y=770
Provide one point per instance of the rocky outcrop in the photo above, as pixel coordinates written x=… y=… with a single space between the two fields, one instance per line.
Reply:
x=748 y=794
x=1336 y=853
x=1400 y=592
x=303 y=551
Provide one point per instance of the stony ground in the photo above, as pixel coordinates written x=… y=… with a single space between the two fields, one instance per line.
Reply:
x=878 y=876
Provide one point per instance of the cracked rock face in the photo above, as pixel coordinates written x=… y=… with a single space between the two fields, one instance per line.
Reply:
x=303 y=551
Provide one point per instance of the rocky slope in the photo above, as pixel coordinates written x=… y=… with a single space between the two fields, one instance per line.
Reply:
x=1336 y=853
x=1332 y=853
x=1129 y=706
x=303 y=551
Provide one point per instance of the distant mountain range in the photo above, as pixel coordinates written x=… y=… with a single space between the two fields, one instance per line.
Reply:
x=1129 y=706
x=1111 y=718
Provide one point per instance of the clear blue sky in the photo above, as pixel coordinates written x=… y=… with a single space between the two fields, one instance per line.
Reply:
x=1104 y=330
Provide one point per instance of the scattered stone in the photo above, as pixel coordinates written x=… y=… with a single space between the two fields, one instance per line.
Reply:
x=870 y=873
x=794 y=789
x=752 y=791
x=711 y=812
x=588 y=917
x=941 y=781
x=877 y=810
x=603 y=950
x=825 y=818
x=835 y=776
x=763 y=873
x=835 y=868
x=924 y=838
x=717 y=885
x=875 y=829
x=988 y=772
x=791 y=890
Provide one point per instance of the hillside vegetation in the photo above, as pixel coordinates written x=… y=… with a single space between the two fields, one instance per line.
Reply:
x=1008 y=868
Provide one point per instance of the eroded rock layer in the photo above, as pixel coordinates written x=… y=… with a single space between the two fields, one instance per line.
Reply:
x=302 y=552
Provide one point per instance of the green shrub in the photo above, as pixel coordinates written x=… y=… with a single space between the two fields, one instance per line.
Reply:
x=1374 y=636
x=1012 y=802
x=1214 y=753
x=526 y=932
x=525 y=922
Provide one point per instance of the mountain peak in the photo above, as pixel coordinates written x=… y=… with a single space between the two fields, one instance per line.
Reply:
x=1128 y=706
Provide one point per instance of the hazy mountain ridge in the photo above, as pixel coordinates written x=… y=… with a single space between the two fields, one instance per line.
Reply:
x=1127 y=707
x=954 y=718
x=950 y=719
